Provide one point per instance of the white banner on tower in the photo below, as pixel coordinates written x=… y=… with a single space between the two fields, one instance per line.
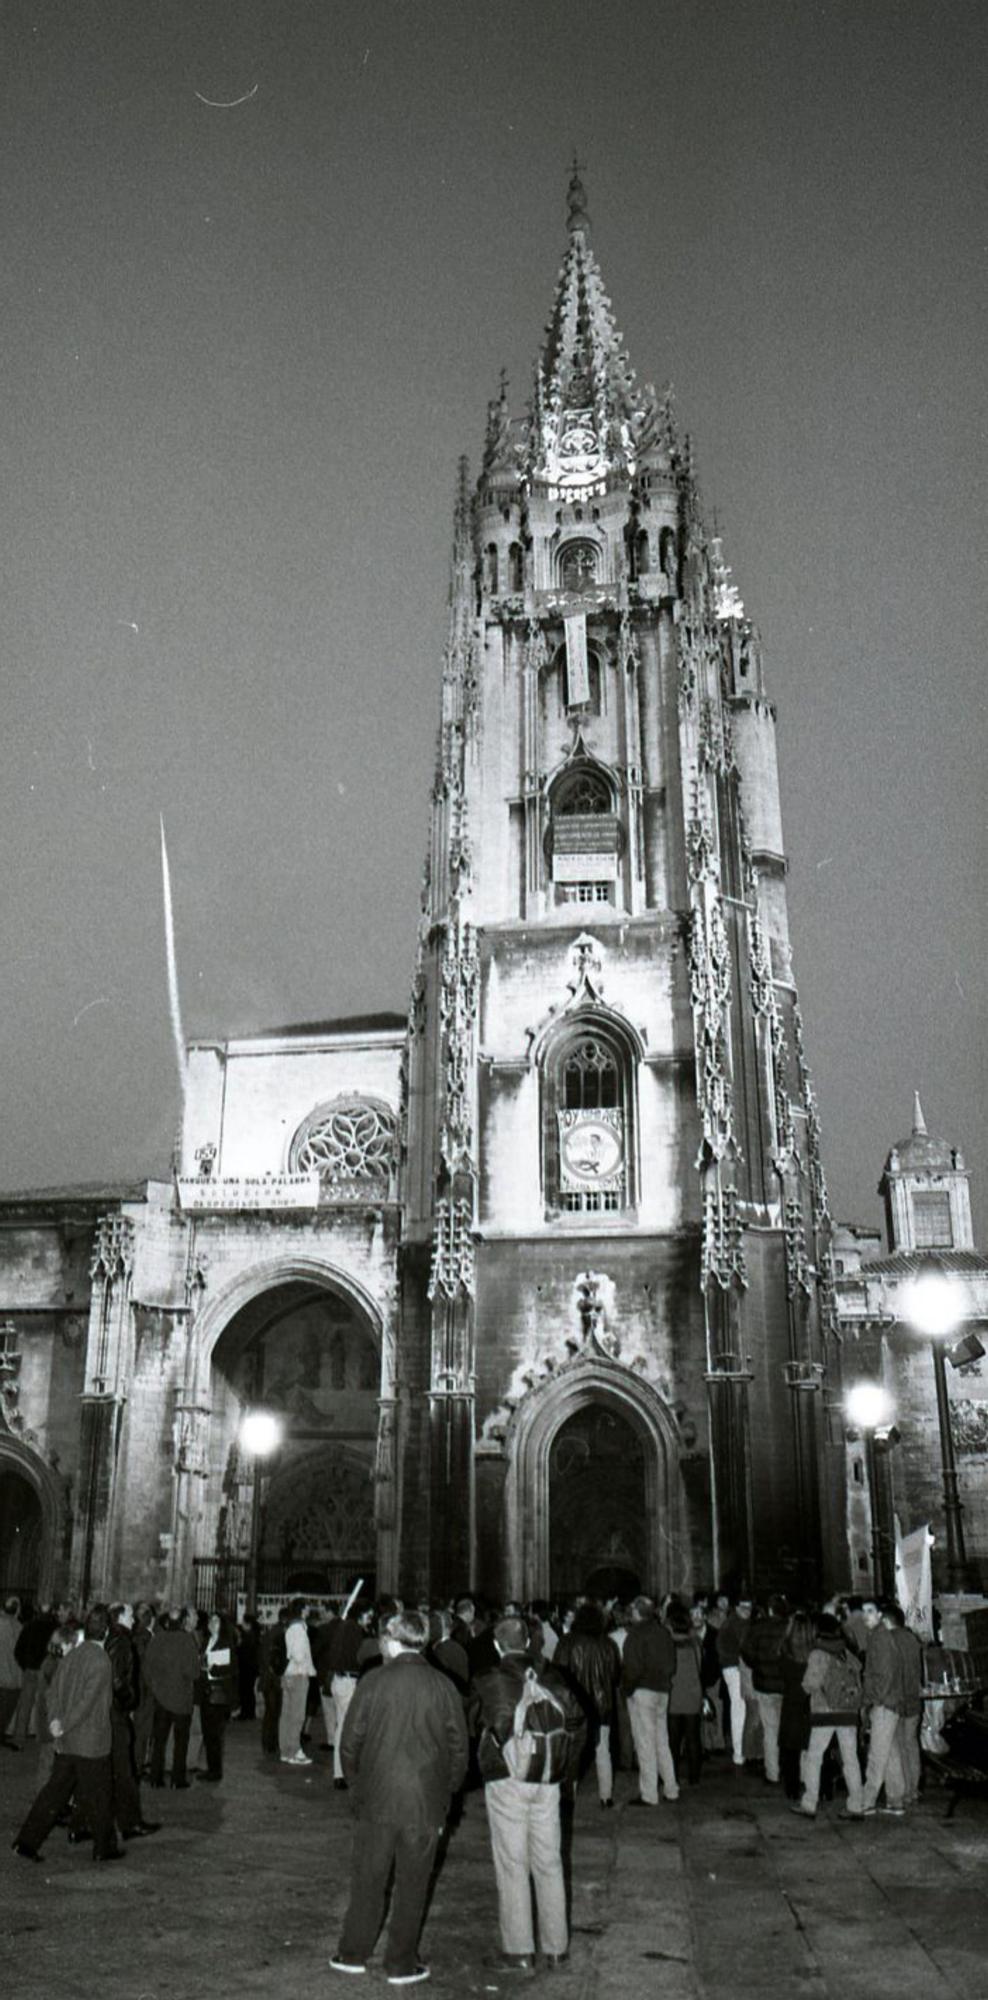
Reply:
x=914 y=1579
x=577 y=670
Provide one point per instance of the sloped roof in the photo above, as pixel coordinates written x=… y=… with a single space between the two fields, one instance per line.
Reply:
x=346 y=1024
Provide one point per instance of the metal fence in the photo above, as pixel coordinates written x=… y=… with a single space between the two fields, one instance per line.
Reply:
x=220 y=1582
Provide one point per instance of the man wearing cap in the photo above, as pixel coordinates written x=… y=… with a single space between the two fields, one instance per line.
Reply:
x=523 y=1814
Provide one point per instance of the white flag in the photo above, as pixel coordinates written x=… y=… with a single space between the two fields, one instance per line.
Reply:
x=914 y=1579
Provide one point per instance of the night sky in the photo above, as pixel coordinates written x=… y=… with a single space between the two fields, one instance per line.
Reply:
x=245 y=345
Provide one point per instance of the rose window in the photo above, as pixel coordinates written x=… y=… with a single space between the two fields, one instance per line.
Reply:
x=351 y=1146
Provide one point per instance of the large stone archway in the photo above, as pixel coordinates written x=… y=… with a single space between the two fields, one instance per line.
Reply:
x=608 y=1387
x=43 y=1519
x=305 y=1340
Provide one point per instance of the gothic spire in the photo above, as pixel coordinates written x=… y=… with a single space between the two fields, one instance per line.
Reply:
x=587 y=409
x=919 y=1122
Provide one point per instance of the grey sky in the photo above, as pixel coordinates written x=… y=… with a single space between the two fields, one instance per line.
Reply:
x=244 y=348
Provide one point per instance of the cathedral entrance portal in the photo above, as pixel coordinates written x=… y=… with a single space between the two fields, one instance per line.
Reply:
x=593 y=1493
x=21 y=1533
x=597 y=1526
x=308 y=1354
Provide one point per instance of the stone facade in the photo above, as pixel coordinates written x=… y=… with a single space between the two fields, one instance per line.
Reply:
x=928 y=1217
x=539 y=1280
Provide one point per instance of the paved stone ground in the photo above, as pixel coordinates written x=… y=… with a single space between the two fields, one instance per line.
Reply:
x=724 y=1894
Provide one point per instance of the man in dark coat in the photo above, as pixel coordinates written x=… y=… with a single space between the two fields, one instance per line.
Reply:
x=79 y=1720
x=761 y=1650
x=404 y=1753
x=647 y=1667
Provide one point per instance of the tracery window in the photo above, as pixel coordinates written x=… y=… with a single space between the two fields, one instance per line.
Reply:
x=578 y=565
x=351 y=1145
x=588 y=1124
x=584 y=791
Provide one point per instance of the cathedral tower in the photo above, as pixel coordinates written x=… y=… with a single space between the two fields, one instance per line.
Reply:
x=613 y=1357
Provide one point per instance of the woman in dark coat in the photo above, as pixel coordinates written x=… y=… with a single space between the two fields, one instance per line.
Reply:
x=794 y=1723
x=589 y=1661
x=217 y=1690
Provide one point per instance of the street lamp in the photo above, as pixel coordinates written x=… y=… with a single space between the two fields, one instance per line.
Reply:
x=933 y=1305
x=870 y=1410
x=260 y=1435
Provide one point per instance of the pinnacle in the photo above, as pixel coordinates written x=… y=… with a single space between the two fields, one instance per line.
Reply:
x=919 y=1122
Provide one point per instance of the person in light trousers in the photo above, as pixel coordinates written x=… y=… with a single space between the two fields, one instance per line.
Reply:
x=299 y=1671
x=647 y=1667
x=523 y=1814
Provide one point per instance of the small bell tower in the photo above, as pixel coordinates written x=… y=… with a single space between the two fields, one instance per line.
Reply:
x=927 y=1192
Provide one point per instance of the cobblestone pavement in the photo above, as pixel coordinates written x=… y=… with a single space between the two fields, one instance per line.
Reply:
x=724 y=1894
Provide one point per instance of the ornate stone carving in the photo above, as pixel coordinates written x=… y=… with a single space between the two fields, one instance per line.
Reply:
x=384 y=1465
x=452 y=1271
x=722 y=1255
x=710 y=991
x=700 y=844
x=587 y=958
x=594 y=1298
x=798 y=1278
x=784 y=1126
x=190 y=1435
x=760 y=983
x=113 y=1248
x=969 y=1424
x=550 y=1361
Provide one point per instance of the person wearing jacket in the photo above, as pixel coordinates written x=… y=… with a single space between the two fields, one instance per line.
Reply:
x=831 y=1666
x=404 y=1751
x=686 y=1692
x=217 y=1690
x=30 y=1652
x=647 y=1668
x=299 y=1671
x=523 y=1813
x=171 y=1668
x=121 y=1653
x=910 y=1652
x=11 y=1676
x=79 y=1720
x=884 y=1697
x=761 y=1650
x=729 y=1642
x=795 y=1721
x=590 y=1659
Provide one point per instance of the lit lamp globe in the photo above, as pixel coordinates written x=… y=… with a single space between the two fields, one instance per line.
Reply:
x=868 y=1406
x=931 y=1304
x=260 y=1433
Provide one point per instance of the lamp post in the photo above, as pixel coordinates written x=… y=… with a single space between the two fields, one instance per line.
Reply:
x=260 y=1435
x=869 y=1410
x=933 y=1306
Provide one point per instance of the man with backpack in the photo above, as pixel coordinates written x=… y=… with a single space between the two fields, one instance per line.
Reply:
x=531 y=1730
x=833 y=1682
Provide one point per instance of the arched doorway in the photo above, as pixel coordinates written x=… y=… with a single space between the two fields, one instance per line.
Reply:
x=597 y=1513
x=21 y=1533
x=542 y=1481
x=309 y=1353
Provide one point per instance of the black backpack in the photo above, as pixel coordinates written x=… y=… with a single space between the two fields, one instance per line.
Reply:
x=278 y=1658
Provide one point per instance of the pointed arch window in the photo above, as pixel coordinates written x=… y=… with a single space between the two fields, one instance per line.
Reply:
x=584 y=837
x=578 y=565
x=589 y=1123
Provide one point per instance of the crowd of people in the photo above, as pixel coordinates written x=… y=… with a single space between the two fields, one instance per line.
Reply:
x=523 y=1700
